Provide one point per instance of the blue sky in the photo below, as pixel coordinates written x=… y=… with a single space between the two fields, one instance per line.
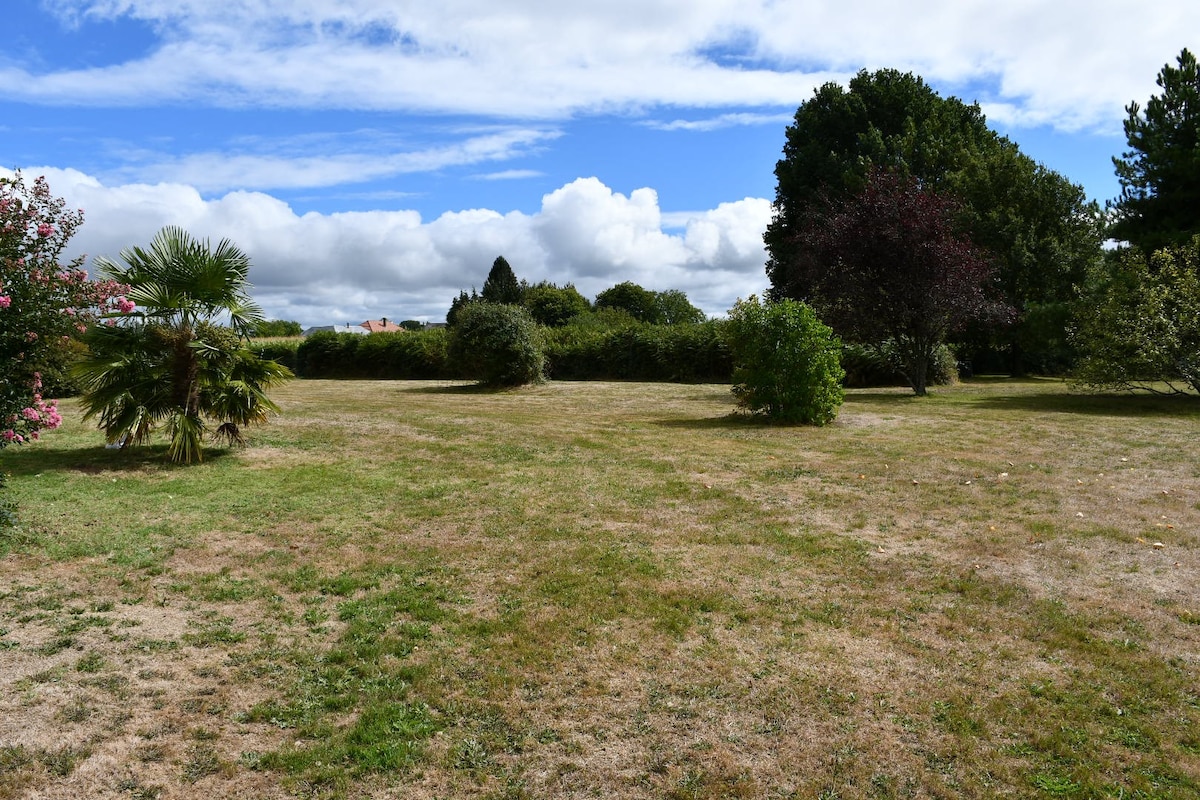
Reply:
x=374 y=156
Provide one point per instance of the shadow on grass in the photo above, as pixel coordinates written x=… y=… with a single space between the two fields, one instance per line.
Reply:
x=733 y=421
x=460 y=388
x=31 y=460
x=1113 y=405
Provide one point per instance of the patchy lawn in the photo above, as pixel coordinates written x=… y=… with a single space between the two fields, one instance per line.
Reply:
x=420 y=590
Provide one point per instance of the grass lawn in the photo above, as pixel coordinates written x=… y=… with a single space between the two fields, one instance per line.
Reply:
x=419 y=590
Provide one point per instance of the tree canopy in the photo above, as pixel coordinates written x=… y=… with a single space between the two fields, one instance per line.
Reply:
x=501 y=285
x=552 y=305
x=1038 y=227
x=890 y=264
x=638 y=301
x=1159 y=204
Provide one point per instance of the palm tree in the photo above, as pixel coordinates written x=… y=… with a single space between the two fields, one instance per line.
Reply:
x=181 y=358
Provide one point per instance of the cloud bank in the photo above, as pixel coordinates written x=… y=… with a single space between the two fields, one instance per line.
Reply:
x=347 y=267
x=1069 y=64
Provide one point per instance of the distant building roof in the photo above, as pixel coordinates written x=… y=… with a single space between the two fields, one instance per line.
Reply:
x=384 y=325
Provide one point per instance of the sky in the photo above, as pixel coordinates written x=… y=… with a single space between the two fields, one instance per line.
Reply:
x=373 y=157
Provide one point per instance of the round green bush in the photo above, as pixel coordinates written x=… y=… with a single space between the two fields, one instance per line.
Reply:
x=786 y=362
x=497 y=345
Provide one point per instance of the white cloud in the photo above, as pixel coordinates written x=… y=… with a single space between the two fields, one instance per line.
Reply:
x=721 y=121
x=1071 y=64
x=296 y=165
x=346 y=267
x=509 y=175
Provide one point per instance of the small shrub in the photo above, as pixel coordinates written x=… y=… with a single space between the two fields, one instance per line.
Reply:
x=786 y=362
x=497 y=345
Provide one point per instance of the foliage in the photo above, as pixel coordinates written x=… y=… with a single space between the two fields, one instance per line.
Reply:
x=501 y=285
x=888 y=264
x=587 y=349
x=413 y=355
x=553 y=306
x=275 y=327
x=641 y=303
x=1159 y=204
x=786 y=362
x=496 y=344
x=1139 y=322
x=412 y=325
x=173 y=362
x=869 y=365
x=674 y=308
x=457 y=304
x=1039 y=228
x=44 y=305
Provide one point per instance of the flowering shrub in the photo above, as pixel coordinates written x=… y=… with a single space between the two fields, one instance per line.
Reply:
x=43 y=304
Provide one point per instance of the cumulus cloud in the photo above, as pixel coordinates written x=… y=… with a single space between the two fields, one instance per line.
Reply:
x=1070 y=64
x=346 y=267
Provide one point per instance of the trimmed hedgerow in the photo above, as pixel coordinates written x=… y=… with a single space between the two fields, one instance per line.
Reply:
x=676 y=353
x=411 y=355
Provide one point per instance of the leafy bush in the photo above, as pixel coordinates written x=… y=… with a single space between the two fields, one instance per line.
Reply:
x=1138 y=325
x=497 y=345
x=786 y=362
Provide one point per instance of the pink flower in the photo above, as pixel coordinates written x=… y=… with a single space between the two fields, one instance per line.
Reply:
x=31 y=336
x=31 y=414
x=125 y=306
x=45 y=229
x=5 y=301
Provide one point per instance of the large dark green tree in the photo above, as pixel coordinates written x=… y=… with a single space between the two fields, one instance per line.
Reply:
x=501 y=285
x=182 y=358
x=1159 y=204
x=1038 y=227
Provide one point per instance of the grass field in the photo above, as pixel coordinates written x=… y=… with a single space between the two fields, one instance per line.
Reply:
x=415 y=590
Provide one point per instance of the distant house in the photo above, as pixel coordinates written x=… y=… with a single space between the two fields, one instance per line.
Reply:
x=384 y=325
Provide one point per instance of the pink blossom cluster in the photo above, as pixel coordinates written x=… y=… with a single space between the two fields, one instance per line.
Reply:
x=31 y=420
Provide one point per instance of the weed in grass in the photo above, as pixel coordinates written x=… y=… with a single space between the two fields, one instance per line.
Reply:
x=214 y=631
x=91 y=663
x=202 y=760
x=151 y=753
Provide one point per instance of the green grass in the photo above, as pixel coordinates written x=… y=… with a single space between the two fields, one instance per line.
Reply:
x=412 y=589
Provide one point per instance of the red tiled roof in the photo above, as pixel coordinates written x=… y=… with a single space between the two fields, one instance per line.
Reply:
x=381 y=326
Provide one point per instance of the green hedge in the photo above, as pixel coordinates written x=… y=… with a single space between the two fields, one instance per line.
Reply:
x=635 y=352
x=412 y=355
x=673 y=353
